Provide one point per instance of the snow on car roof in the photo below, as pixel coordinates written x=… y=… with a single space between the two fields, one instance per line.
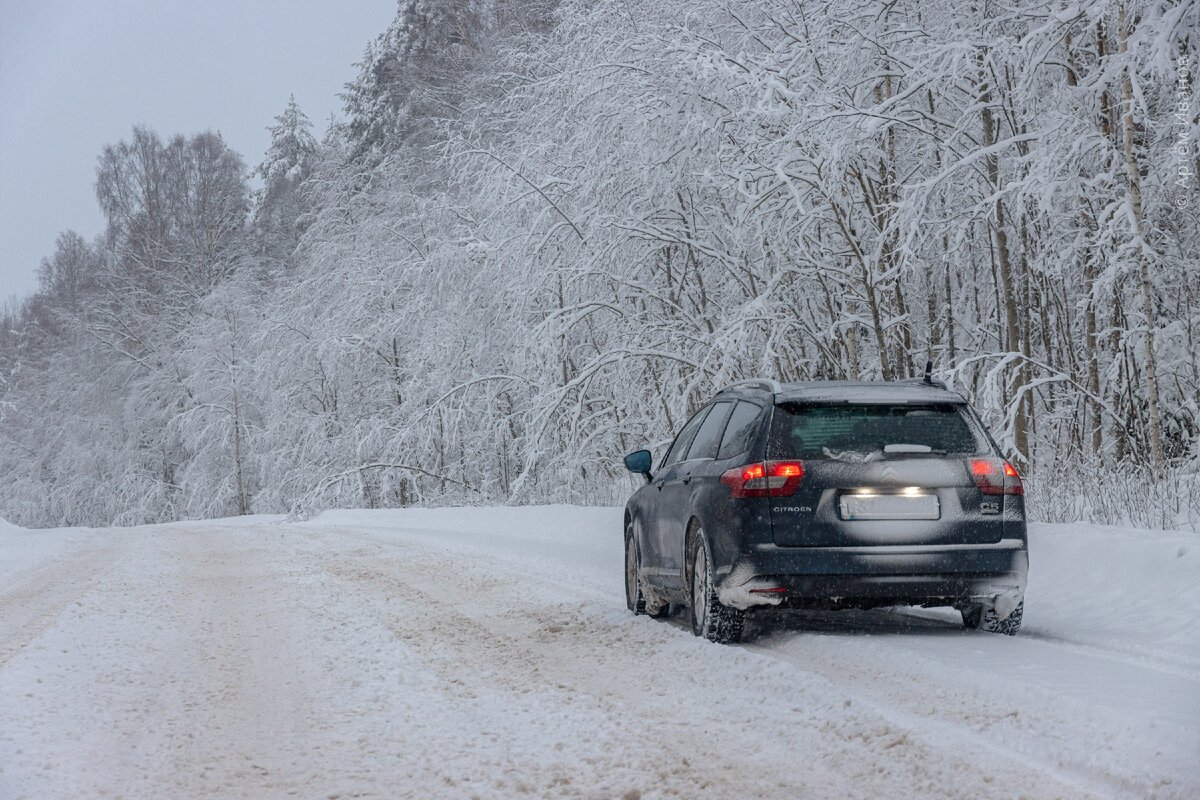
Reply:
x=865 y=392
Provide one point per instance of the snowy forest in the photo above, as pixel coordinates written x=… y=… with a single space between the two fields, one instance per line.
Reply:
x=543 y=231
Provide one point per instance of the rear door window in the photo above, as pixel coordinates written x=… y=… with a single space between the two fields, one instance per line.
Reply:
x=708 y=438
x=680 y=445
x=845 y=430
x=740 y=429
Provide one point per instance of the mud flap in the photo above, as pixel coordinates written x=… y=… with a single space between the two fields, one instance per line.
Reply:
x=1005 y=603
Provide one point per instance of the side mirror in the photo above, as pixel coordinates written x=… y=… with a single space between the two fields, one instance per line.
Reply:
x=639 y=462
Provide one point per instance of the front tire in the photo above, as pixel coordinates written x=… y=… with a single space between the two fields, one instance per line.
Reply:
x=635 y=599
x=711 y=618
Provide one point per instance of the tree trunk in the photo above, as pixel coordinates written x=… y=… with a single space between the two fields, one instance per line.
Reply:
x=242 y=501
x=1132 y=168
x=1008 y=298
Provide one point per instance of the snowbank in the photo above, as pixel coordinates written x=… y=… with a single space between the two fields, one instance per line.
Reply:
x=1123 y=588
x=22 y=549
x=586 y=541
x=576 y=524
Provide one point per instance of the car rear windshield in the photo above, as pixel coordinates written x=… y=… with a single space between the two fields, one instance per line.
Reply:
x=845 y=430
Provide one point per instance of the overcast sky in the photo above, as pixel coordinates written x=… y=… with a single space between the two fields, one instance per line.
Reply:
x=78 y=74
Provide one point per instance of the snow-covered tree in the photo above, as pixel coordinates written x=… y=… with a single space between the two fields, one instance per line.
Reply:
x=546 y=231
x=413 y=75
x=279 y=207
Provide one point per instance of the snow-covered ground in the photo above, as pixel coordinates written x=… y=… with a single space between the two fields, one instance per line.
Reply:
x=488 y=653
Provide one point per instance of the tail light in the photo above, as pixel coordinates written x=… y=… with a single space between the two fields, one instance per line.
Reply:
x=994 y=476
x=765 y=479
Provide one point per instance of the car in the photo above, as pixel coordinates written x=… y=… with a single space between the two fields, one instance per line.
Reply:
x=827 y=495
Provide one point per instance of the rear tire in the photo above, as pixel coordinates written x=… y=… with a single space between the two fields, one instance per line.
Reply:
x=711 y=618
x=635 y=599
x=979 y=618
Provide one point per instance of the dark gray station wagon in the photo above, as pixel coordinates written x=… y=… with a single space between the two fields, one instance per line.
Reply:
x=827 y=495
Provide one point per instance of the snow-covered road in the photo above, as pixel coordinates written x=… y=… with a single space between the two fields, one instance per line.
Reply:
x=487 y=653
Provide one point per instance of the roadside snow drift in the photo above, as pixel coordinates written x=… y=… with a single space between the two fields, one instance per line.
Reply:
x=22 y=549
x=487 y=653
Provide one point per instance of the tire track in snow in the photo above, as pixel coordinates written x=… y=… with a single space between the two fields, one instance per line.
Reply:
x=30 y=608
x=243 y=682
x=428 y=664
x=210 y=662
x=932 y=702
x=972 y=711
x=474 y=661
x=1175 y=664
x=585 y=647
x=1143 y=657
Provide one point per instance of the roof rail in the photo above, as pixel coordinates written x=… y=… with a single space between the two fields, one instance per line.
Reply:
x=766 y=384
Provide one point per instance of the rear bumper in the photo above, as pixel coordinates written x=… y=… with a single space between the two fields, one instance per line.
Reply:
x=863 y=577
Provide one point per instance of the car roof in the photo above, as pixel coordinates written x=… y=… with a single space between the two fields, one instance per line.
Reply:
x=866 y=392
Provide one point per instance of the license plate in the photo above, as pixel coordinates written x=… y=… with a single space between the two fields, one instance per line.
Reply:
x=889 y=506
